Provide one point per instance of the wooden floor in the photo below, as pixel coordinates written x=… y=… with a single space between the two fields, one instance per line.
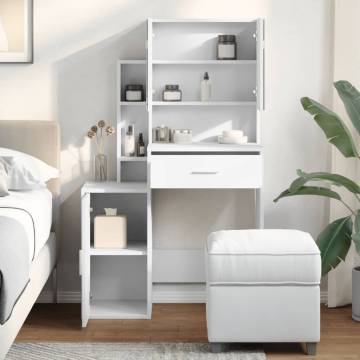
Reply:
x=340 y=336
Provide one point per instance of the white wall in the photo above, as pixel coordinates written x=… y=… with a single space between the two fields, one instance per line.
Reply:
x=73 y=81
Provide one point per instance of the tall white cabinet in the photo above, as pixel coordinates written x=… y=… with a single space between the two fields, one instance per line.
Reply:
x=178 y=52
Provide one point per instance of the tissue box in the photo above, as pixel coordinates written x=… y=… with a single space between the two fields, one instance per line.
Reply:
x=110 y=232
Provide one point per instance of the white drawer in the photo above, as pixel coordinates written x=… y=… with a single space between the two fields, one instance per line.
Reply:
x=205 y=171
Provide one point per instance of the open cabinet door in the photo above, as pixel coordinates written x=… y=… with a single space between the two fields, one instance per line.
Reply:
x=260 y=57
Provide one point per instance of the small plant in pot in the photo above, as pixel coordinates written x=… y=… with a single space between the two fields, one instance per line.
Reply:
x=335 y=240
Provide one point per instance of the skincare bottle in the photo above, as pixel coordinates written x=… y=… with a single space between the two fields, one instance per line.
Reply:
x=140 y=146
x=205 y=88
x=129 y=143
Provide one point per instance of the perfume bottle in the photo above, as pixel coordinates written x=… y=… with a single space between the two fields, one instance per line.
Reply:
x=140 y=146
x=129 y=143
x=205 y=88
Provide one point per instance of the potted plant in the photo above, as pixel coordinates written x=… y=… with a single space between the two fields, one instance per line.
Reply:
x=335 y=240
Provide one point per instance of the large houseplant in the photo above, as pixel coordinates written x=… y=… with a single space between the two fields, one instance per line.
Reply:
x=335 y=240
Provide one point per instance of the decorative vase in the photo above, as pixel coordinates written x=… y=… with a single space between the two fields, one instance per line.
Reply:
x=356 y=293
x=100 y=167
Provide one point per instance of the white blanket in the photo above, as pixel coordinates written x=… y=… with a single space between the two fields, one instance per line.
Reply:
x=33 y=210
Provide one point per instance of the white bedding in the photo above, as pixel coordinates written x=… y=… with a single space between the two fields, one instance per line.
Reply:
x=38 y=212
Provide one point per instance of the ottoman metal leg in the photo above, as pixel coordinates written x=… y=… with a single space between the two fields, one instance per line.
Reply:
x=311 y=348
x=218 y=347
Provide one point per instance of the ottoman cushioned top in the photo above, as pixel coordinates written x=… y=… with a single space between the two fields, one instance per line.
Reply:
x=262 y=257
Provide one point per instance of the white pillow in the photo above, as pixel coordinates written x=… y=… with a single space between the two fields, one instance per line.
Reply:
x=26 y=172
x=3 y=179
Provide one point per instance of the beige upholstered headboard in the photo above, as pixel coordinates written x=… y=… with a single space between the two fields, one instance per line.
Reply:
x=37 y=138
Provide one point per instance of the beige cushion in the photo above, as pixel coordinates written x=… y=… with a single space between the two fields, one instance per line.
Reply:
x=37 y=138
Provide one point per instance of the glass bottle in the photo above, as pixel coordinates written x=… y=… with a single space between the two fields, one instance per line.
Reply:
x=140 y=146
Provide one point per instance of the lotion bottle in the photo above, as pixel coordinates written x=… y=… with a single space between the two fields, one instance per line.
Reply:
x=205 y=88
x=129 y=143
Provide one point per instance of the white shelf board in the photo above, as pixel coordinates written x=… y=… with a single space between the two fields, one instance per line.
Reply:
x=118 y=309
x=132 y=103
x=114 y=187
x=204 y=62
x=204 y=103
x=132 y=62
x=244 y=20
x=133 y=158
x=204 y=147
x=133 y=249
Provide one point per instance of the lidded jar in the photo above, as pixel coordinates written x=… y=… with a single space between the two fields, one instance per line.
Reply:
x=172 y=93
x=226 y=48
x=134 y=92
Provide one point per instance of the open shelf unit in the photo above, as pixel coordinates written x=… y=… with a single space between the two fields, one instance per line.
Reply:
x=178 y=52
x=130 y=112
x=116 y=283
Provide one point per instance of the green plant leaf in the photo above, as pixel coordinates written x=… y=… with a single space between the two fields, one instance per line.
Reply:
x=334 y=179
x=356 y=235
x=351 y=99
x=334 y=128
x=334 y=243
x=310 y=190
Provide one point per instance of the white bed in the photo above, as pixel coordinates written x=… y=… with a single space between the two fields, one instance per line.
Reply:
x=40 y=139
x=38 y=214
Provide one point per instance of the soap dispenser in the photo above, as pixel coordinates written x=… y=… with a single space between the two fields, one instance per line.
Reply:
x=205 y=88
x=129 y=146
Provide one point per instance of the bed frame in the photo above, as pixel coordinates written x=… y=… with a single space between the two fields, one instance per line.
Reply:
x=40 y=139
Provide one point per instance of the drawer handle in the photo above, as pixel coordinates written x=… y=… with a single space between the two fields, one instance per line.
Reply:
x=204 y=172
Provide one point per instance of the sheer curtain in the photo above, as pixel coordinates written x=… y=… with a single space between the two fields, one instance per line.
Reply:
x=346 y=67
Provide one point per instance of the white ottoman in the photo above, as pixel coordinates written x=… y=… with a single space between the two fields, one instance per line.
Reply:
x=263 y=286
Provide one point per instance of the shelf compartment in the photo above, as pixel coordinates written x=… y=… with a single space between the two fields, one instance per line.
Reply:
x=204 y=103
x=132 y=249
x=118 y=287
x=131 y=72
x=197 y=40
x=230 y=83
x=207 y=122
x=118 y=309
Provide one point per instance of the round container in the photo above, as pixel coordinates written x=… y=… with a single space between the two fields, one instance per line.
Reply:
x=172 y=93
x=226 y=48
x=134 y=92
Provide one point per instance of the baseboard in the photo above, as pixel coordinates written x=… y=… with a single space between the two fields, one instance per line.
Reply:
x=162 y=297
x=158 y=297
x=323 y=297
x=62 y=296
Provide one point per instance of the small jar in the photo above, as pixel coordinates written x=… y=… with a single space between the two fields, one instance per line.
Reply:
x=161 y=134
x=182 y=136
x=134 y=92
x=226 y=48
x=172 y=93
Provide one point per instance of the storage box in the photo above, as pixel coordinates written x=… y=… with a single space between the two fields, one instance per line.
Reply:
x=110 y=232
